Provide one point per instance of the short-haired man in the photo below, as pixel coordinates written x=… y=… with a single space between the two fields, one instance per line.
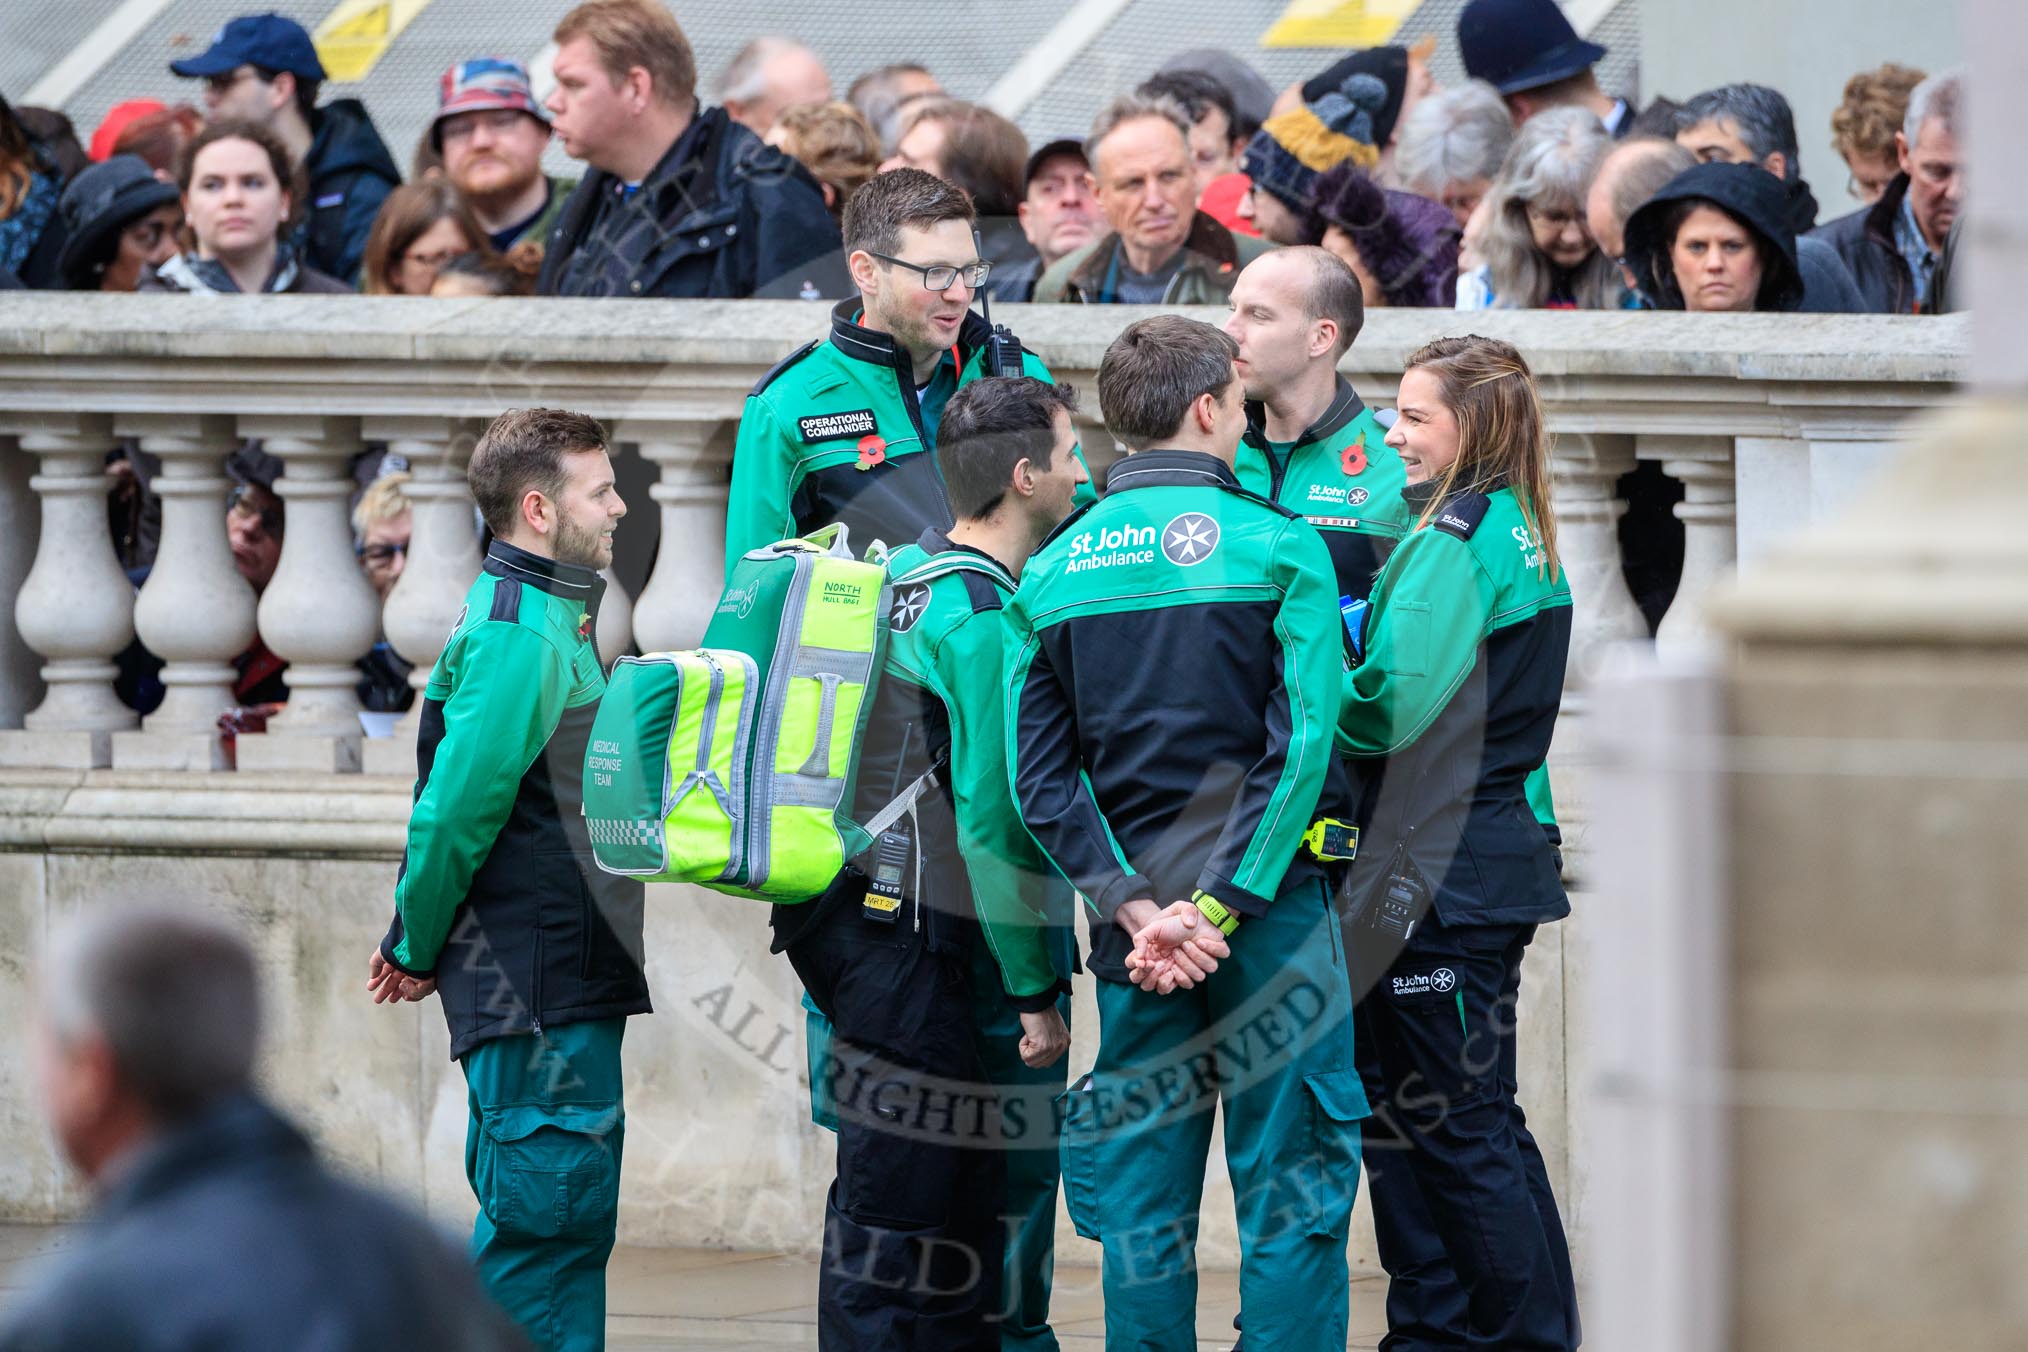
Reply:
x=1528 y=51
x=264 y=68
x=1750 y=124
x=840 y=430
x=972 y=146
x=491 y=134
x=767 y=75
x=1892 y=247
x=957 y=990
x=1171 y=697
x=884 y=93
x=536 y=952
x=1311 y=445
x=681 y=201
x=215 y=1225
x=1160 y=250
x=1214 y=148
x=1057 y=213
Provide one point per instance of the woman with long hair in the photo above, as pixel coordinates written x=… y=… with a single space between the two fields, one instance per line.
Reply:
x=421 y=226
x=1534 y=248
x=31 y=183
x=238 y=197
x=1447 y=716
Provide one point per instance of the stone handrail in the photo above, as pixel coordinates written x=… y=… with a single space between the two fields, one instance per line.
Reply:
x=1767 y=421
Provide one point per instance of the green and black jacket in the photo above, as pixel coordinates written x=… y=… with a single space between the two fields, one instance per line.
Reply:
x=942 y=701
x=1342 y=477
x=1172 y=693
x=835 y=433
x=1451 y=708
x=498 y=897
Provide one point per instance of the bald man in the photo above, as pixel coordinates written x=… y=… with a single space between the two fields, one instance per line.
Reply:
x=1310 y=444
x=1631 y=173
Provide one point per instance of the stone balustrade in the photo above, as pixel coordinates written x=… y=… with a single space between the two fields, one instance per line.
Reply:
x=1765 y=421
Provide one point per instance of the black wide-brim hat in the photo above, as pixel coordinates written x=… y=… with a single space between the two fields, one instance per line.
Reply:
x=98 y=204
x=1522 y=44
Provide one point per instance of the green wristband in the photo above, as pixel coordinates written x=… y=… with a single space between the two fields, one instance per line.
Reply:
x=1213 y=910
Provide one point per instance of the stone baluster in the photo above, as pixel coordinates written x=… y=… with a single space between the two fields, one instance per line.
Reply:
x=195 y=612
x=614 y=629
x=1585 y=468
x=21 y=686
x=1709 y=513
x=319 y=612
x=443 y=558
x=673 y=609
x=76 y=608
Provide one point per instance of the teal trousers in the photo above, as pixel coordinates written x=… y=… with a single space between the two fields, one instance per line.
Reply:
x=1030 y=1140
x=542 y=1151
x=1269 y=1037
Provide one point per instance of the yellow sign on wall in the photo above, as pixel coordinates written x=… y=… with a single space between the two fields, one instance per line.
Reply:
x=355 y=35
x=1338 y=23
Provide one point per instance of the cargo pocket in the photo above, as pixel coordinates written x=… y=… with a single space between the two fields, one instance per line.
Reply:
x=1337 y=1104
x=823 y=1075
x=1408 y=624
x=1078 y=1153
x=546 y=1172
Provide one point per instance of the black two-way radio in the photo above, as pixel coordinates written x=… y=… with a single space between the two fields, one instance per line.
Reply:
x=1003 y=349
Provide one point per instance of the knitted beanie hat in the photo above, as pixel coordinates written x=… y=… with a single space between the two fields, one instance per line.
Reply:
x=1408 y=243
x=1288 y=152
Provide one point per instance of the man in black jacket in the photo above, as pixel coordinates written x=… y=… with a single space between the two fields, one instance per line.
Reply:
x=681 y=201
x=499 y=909
x=1893 y=247
x=216 y=1226
x=264 y=68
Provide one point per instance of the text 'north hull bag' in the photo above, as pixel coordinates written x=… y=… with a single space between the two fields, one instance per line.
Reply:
x=732 y=765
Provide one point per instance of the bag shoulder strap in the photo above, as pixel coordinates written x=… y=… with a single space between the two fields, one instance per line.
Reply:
x=955 y=561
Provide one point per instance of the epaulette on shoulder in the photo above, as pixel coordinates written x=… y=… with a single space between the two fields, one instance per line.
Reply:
x=984 y=593
x=775 y=371
x=1462 y=515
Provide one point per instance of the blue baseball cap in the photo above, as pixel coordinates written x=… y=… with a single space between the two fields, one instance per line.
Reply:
x=265 y=40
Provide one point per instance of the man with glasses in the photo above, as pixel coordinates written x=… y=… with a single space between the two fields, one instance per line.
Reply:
x=263 y=68
x=1893 y=247
x=841 y=429
x=382 y=524
x=492 y=133
x=255 y=520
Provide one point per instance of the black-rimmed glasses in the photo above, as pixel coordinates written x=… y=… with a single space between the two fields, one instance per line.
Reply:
x=941 y=276
x=381 y=555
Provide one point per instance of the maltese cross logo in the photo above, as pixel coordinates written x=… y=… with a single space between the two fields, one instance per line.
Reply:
x=908 y=608
x=1189 y=539
x=1442 y=980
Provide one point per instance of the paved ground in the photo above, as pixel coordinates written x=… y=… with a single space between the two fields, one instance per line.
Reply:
x=693 y=1300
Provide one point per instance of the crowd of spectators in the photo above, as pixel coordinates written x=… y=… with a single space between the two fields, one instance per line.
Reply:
x=1527 y=186
x=739 y=193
